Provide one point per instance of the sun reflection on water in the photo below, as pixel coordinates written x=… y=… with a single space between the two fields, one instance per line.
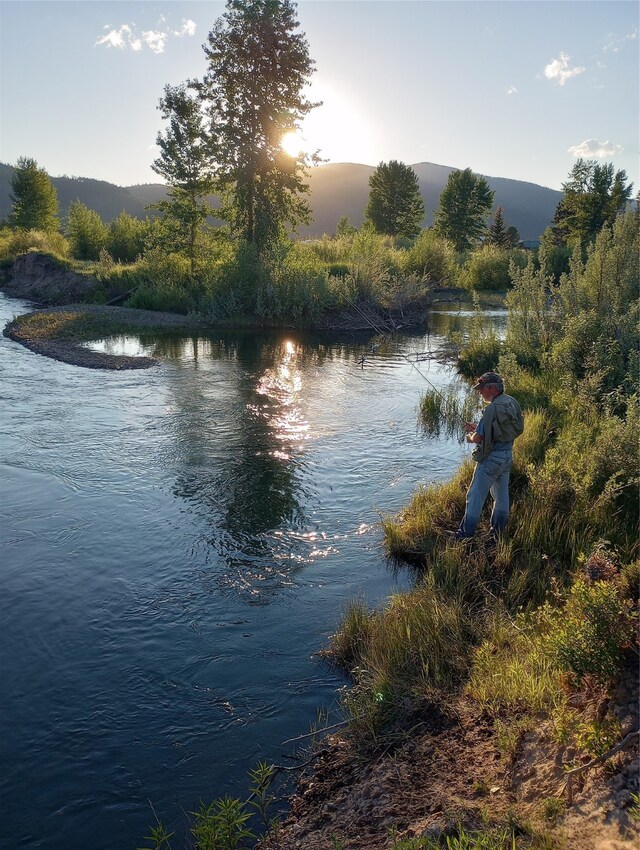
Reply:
x=281 y=386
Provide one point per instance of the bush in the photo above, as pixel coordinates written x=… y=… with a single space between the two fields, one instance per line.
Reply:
x=587 y=636
x=489 y=268
x=15 y=242
x=433 y=259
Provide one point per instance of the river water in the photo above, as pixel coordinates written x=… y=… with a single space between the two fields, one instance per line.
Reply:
x=177 y=543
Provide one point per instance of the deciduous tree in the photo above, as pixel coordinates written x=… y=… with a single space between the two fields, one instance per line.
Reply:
x=86 y=232
x=186 y=162
x=395 y=204
x=34 y=198
x=125 y=241
x=594 y=195
x=258 y=66
x=465 y=204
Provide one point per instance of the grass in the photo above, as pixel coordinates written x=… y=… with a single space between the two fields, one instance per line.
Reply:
x=79 y=326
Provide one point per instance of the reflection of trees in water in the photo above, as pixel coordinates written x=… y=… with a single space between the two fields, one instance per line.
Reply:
x=239 y=432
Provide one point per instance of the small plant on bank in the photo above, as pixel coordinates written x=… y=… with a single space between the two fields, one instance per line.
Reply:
x=588 y=636
x=552 y=808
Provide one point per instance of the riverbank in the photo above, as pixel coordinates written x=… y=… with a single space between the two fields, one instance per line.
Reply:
x=59 y=332
x=453 y=773
x=529 y=641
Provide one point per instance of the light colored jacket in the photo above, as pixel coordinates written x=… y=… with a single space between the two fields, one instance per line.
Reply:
x=502 y=421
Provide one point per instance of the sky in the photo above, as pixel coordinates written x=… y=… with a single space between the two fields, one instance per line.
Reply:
x=508 y=88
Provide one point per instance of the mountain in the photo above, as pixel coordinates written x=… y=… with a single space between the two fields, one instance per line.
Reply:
x=340 y=189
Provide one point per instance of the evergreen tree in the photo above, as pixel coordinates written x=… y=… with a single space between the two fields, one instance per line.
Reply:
x=34 y=198
x=86 y=231
x=594 y=195
x=186 y=163
x=258 y=67
x=345 y=228
x=465 y=204
x=501 y=235
x=395 y=204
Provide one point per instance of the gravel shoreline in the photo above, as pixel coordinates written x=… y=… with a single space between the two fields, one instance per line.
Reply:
x=75 y=354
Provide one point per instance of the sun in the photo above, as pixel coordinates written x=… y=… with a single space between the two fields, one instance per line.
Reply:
x=293 y=143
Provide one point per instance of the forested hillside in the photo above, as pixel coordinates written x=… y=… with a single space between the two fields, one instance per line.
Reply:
x=337 y=190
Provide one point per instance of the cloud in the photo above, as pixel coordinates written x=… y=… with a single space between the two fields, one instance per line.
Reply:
x=188 y=28
x=512 y=90
x=615 y=43
x=126 y=36
x=560 y=71
x=592 y=147
x=155 y=40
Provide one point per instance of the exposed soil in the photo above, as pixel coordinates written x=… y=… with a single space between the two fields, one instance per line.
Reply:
x=450 y=771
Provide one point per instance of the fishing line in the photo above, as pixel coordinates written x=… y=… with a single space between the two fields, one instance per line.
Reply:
x=386 y=335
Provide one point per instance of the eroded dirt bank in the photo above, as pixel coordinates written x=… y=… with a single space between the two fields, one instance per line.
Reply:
x=451 y=769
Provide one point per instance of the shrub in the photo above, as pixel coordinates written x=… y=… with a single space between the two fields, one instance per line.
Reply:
x=14 y=242
x=433 y=259
x=489 y=268
x=587 y=636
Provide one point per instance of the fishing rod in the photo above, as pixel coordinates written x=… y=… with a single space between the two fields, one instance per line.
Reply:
x=386 y=335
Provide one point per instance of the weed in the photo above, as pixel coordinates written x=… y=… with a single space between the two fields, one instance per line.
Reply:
x=552 y=808
x=160 y=838
x=509 y=733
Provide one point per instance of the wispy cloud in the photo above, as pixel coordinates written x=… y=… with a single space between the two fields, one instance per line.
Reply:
x=615 y=43
x=126 y=36
x=559 y=70
x=512 y=90
x=592 y=147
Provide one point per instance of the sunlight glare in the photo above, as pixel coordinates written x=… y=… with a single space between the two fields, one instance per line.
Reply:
x=292 y=143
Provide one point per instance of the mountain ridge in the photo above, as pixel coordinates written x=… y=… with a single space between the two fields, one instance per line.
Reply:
x=336 y=190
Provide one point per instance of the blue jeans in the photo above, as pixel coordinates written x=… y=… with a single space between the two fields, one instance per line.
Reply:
x=491 y=475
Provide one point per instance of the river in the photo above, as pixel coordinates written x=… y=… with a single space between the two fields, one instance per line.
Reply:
x=177 y=543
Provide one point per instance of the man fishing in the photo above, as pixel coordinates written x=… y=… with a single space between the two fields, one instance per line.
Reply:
x=502 y=421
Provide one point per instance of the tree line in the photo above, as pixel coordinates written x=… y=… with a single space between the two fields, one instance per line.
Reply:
x=223 y=135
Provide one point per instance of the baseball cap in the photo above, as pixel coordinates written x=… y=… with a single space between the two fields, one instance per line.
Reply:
x=488 y=378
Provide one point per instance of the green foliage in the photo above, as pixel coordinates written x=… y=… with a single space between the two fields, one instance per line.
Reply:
x=345 y=228
x=261 y=185
x=592 y=735
x=433 y=259
x=126 y=238
x=489 y=268
x=445 y=412
x=594 y=195
x=222 y=825
x=186 y=163
x=417 y=641
x=165 y=284
x=480 y=350
x=86 y=232
x=14 y=242
x=489 y=838
x=587 y=637
x=33 y=197
x=395 y=205
x=500 y=235
x=294 y=286
x=160 y=839
x=511 y=670
x=465 y=204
